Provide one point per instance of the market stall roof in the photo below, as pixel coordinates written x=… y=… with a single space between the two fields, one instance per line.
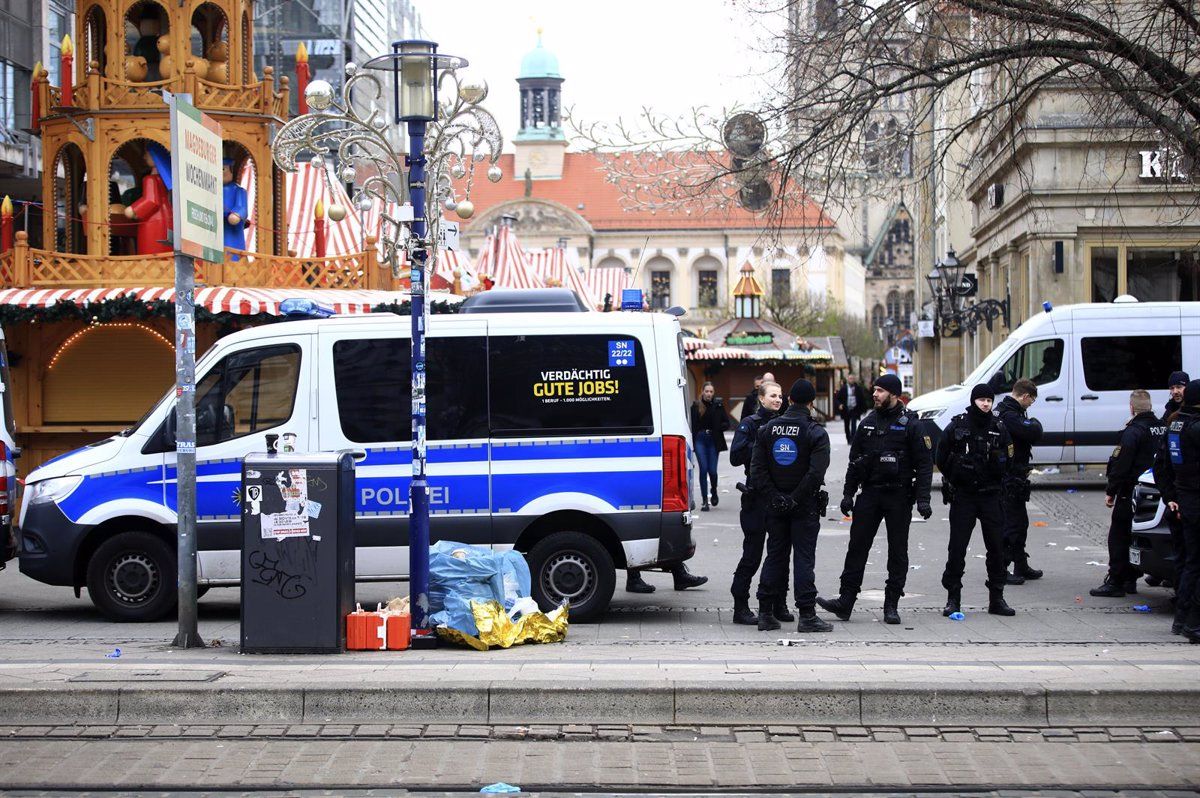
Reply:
x=764 y=340
x=221 y=299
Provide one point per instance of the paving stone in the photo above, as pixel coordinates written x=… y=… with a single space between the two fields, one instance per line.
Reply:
x=371 y=731
x=440 y=730
x=404 y=731
x=750 y=736
x=235 y=731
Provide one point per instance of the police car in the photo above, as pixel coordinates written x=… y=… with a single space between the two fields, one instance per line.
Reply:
x=8 y=455
x=1152 y=551
x=564 y=437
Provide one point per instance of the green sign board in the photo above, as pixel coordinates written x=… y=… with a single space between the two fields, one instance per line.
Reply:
x=749 y=338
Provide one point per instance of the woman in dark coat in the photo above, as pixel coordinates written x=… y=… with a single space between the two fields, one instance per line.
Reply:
x=709 y=422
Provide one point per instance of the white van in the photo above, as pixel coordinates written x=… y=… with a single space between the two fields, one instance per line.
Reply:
x=1085 y=360
x=564 y=436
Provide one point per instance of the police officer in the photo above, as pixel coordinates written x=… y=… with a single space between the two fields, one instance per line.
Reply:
x=1175 y=386
x=1025 y=433
x=791 y=455
x=753 y=515
x=893 y=463
x=973 y=458
x=1177 y=473
x=1140 y=441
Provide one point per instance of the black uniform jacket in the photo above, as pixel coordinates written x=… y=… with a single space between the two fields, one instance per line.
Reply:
x=1025 y=433
x=742 y=450
x=791 y=456
x=1140 y=441
x=889 y=451
x=1177 y=463
x=974 y=451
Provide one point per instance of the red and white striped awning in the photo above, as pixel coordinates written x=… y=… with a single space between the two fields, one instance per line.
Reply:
x=555 y=268
x=503 y=260
x=610 y=280
x=692 y=344
x=305 y=188
x=221 y=299
x=719 y=353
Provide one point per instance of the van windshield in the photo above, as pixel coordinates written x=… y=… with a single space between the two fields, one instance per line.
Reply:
x=10 y=423
x=984 y=371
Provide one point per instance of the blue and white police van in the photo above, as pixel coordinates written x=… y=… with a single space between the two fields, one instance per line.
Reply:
x=561 y=435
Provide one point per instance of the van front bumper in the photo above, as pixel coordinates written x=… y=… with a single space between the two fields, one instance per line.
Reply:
x=47 y=544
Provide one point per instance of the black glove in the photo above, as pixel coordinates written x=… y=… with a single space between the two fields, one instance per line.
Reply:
x=781 y=504
x=847 y=505
x=924 y=509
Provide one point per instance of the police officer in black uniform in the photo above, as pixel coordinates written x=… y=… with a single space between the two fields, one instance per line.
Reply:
x=892 y=461
x=973 y=457
x=1177 y=474
x=1140 y=441
x=753 y=515
x=791 y=455
x=1025 y=432
x=1176 y=385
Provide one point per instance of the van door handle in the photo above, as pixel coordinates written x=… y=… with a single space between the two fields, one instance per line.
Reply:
x=1054 y=398
x=1089 y=397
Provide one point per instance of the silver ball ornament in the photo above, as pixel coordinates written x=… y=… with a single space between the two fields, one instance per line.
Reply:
x=458 y=171
x=317 y=162
x=473 y=91
x=351 y=68
x=450 y=203
x=364 y=204
x=465 y=209
x=348 y=174
x=494 y=174
x=319 y=95
x=336 y=212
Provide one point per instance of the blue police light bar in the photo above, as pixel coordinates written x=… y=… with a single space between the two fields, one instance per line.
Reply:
x=1046 y=306
x=631 y=299
x=304 y=307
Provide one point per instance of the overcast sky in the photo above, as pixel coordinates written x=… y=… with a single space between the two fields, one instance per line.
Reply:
x=616 y=56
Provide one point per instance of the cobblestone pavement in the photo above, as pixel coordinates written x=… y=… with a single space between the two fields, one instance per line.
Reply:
x=695 y=793
x=461 y=765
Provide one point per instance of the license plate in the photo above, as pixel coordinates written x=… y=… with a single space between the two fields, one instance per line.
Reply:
x=1135 y=556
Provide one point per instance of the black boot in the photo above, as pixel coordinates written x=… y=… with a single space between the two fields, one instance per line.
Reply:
x=891 y=611
x=996 y=603
x=715 y=498
x=1191 y=624
x=1180 y=617
x=782 y=613
x=809 y=622
x=742 y=614
x=766 y=616
x=841 y=606
x=953 y=601
x=1015 y=578
x=635 y=584
x=685 y=578
x=1110 y=589
x=1027 y=572
x=1130 y=586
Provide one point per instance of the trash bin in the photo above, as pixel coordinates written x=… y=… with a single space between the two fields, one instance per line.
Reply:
x=297 y=552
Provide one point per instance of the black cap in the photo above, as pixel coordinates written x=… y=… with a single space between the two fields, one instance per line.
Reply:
x=1191 y=394
x=890 y=383
x=1178 y=378
x=982 y=391
x=802 y=392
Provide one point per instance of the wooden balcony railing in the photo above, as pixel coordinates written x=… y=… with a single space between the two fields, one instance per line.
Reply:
x=101 y=92
x=25 y=267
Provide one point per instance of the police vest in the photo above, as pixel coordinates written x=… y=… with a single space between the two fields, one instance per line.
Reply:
x=1182 y=449
x=979 y=459
x=886 y=449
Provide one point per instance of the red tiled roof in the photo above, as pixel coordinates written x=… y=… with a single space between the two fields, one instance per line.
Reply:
x=585 y=182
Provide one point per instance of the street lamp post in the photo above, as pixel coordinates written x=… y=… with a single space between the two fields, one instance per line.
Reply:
x=448 y=133
x=948 y=288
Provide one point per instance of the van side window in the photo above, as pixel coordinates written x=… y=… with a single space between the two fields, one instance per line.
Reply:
x=1040 y=361
x=568 y=385
x=247 y=392
x=1126 y=362
x=373 y=383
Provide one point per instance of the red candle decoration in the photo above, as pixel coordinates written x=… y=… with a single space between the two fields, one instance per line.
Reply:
x=67 y=72
x=6 y=225
x=301 y=77
x=319 y=227
x=36 y=103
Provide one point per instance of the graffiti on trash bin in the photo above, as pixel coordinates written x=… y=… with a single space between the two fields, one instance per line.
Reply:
x=266 y=571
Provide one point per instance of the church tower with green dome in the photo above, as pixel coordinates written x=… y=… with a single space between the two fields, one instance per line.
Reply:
x=540 y=142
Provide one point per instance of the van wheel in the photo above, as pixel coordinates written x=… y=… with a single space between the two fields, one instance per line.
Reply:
x=573 y=567
x=132 y=577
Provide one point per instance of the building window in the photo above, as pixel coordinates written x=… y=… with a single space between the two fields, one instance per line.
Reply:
x=894 y=308
x=910 y=306
x=8 y=99
x=781 y=286
x=660 y=290
x=707 y=293
x=1161 y=275
x=58 y=25
x=1104 y=274
x=877 y=317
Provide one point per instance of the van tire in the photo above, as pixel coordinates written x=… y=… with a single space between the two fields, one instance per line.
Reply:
x=575 y=567
x=132 y=577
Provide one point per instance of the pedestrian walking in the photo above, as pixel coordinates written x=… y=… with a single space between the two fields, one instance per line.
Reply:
x=791 y=455
x=709 y=422
x=1140 y=441
x=750 y=403
x=973 y=458
x=1177 y=474
x=753 y=515
x=1175 y=385
x=1025 y=432
x=850 y=402
x=893 y=463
